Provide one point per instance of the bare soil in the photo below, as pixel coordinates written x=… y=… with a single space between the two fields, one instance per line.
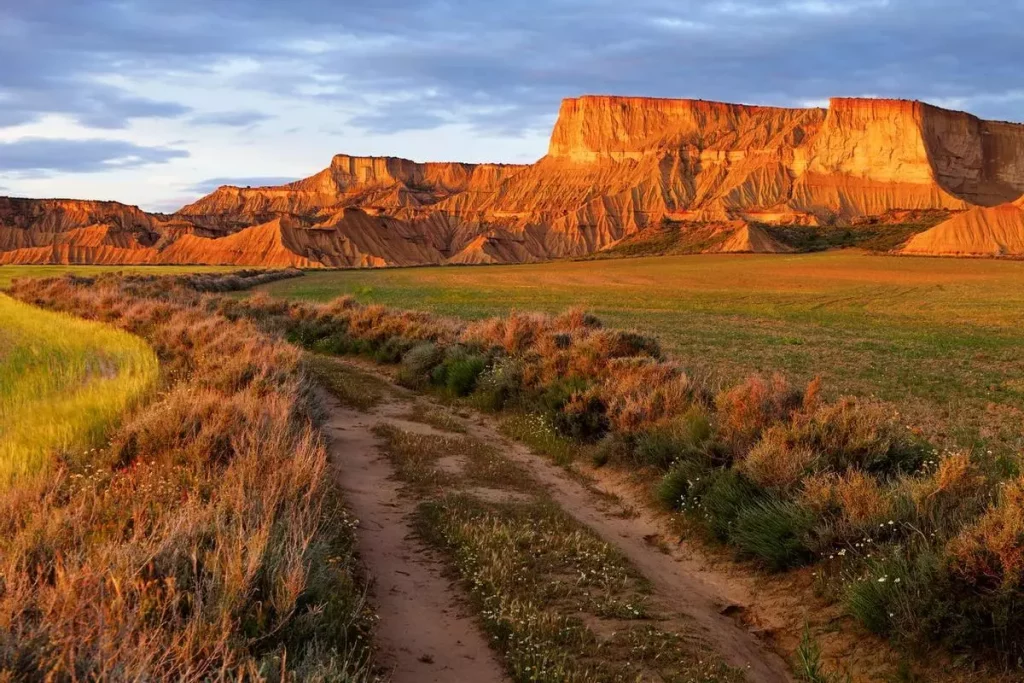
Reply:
x=421 y=614
x=425 y=634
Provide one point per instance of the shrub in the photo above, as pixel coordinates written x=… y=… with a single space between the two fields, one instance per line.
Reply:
x=418 y=363
x=719 y=497
x=776 y=462
x=583 y=417
x=684 y=438
x=775 y=532
x=749 y=408
x=615 y=447
x=640 y=393
x=499 y=385
x=949 y=499
x=337 y=344
x=851 y=433
x=674 y=487
x=391 y=351
x=874 y=598
x=990 y=552
x=861 y=499
x=459 y=371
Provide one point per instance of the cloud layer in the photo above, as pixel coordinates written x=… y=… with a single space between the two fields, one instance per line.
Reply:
x=261 y=70
x=41 y=157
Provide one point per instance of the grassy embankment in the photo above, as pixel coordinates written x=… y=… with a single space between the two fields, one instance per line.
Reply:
x=8 y=274
x=940 y=338
x=63 y=381
x=205 y=541
x=918 y=543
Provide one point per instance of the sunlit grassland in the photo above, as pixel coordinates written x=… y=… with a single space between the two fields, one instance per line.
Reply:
x=10 y=273
x=62 y=382
x=942 y=338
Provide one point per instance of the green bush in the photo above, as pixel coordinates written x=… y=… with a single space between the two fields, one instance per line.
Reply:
x=461 y=374
x=500 y=385
x=684 y=438
x=675 y=486
x=556 y=395
x=718 y=499
x=418 y=363
x=391 y=351
x=574 y=410
x=774 y=532
x=307 y=333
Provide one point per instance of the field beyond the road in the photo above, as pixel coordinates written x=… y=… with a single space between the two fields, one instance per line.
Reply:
x=940 y=338
x=62 y=381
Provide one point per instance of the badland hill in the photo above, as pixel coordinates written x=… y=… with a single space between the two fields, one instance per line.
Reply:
x=616 y=169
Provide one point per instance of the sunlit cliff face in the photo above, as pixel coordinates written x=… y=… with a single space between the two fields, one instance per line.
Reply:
x=615 y=166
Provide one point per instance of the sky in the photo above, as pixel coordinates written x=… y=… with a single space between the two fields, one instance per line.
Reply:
x=157 y=102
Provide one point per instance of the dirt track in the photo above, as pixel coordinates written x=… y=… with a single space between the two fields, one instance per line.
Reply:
x=425 y=635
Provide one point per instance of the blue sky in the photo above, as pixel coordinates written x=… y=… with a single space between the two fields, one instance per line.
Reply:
x=154 y=102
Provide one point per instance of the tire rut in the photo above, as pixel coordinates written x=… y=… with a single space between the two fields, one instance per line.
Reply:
x=424 y=633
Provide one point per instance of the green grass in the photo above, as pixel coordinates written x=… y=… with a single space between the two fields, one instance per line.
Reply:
x=942 y=338
x=10 y=273
x=62 y=382
x=353 y=388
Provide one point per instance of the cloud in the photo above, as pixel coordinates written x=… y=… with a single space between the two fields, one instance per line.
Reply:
x=210 y=184
x=41 y=157
x=497 y=68
x=235 y=119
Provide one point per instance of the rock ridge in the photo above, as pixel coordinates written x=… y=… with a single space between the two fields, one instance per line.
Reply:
x=615 y=166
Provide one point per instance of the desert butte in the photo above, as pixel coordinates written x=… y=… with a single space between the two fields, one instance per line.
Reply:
x=616 y=167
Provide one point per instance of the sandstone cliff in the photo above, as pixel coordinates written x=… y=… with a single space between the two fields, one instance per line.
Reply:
x=982 y=231
x=616 y=166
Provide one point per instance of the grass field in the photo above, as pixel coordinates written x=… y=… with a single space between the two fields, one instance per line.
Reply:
x=62 y=381
x=942 y=338
x=10 y=273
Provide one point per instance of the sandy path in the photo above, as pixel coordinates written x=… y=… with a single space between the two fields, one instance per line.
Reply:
x=687 y=585
x=424 y=635
x=692 y=589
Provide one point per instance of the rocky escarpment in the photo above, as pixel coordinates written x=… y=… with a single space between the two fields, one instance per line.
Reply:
x=616 y=166
x=981 y=231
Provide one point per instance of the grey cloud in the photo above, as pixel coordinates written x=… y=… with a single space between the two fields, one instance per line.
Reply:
x=237 y=119
x=210 y=184
x=503 y=67
x=41 y=157
x=401 y=117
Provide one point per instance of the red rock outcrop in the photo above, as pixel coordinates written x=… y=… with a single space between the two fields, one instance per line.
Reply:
x=615 y=166
x=981 y=231
x=749 y=239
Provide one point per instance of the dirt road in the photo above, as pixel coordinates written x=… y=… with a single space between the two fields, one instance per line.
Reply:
x=426 y=635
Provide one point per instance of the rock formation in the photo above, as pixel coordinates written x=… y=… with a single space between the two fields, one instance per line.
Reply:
x=981 y=231
x=749 y=239
x=615 y=166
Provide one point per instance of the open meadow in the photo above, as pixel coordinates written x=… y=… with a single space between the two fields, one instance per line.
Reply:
x=941 y=338
x=63 y=380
